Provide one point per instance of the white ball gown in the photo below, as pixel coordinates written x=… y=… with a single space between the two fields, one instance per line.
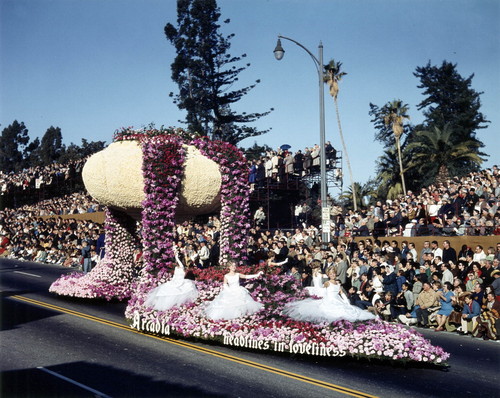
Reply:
x=175 y=292
x=317 y=288
x=332 y=307
x=232 y=302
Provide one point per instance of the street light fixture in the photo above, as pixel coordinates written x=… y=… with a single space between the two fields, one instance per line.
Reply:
x=279 y=52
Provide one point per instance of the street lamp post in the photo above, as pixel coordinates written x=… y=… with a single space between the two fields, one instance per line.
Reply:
x=279 y=52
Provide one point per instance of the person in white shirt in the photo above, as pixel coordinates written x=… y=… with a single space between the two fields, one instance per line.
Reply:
x=447 y=274
x=479 y=254
x=203 y=254
x=436 y=250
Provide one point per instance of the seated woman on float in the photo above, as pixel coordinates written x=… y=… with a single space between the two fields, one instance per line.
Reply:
x=176 y=292
x=233 y=301
x=333 y=306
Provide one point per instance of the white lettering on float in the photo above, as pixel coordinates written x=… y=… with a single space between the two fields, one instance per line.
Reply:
x=294 y=348
x=154 y=326
x=151 y=326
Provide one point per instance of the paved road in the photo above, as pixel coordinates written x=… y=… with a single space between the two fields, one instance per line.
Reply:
x=60 y=347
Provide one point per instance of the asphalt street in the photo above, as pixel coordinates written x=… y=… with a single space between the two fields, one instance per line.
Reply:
x=60 y=347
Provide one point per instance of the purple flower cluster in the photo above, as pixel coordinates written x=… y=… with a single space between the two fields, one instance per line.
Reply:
x=163 y=160
x=234 y=214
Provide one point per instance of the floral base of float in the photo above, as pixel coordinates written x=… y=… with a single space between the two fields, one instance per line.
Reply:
x=270 y=331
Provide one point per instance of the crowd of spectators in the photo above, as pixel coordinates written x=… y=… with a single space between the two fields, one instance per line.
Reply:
x=36 y=183
x=457 y=207
x=38 y=177
x=25 y=234
x=440 y=287
x=280 y=164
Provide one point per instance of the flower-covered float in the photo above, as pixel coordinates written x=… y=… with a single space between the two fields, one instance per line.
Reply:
x=151 y=178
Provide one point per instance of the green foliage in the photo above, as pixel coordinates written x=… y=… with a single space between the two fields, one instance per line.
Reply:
x=75 y=152
x=13 y=142
x=450 y=100
x=51 y=147
x=446 y=140
x=384 y=118
x=333 y=75
x=436 y=149
x=205 y=73
x=256 y=151
x=17 y=153
x=388 y=178
x=365 y=194
x=32 y=153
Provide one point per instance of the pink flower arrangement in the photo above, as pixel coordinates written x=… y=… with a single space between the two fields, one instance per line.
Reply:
x=235 y=209
x=112 y=276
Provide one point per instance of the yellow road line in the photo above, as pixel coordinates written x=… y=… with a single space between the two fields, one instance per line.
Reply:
x=270 y=369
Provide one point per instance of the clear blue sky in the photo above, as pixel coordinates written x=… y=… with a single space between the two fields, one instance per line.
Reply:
x=92 y=66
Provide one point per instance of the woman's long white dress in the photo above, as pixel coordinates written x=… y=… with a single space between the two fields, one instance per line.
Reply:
x=175 y=292
x=232 y=302
x=332 y=307
x=317 y=288
x=377 y=284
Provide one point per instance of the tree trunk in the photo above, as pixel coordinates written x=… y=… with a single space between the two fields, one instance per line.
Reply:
x=398 y=144
x=354 y=199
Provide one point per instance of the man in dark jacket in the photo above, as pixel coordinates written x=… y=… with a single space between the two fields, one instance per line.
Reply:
x=449 y=253
x=389 y=280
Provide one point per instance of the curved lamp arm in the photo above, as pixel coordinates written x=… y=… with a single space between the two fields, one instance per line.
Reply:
x=279 y=52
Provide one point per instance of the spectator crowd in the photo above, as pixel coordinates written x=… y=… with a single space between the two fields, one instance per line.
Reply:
x=281 y=164
x=38 y=177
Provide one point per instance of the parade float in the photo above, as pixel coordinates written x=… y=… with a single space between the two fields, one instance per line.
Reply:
x=151 y=179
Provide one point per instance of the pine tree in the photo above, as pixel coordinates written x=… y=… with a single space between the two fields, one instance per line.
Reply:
x=205 y=72
x=450 y=100
x=51 y=147
x=13 y=141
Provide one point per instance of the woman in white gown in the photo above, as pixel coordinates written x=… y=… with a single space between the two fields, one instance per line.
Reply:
x=317 y=288
x=177 y=291
x=334 y=306
x=234 y=300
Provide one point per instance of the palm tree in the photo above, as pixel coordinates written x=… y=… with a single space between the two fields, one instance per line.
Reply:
x=434 y=153
x=395 y=118
x=362 y=194
x=389 y=183
x=332 y=78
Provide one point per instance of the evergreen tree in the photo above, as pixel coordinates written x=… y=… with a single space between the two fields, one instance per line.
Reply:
x=450 y=100
x=13 y=142
x=205 y=72
x=32 y=153
x=256 y=151
x=51 y=147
